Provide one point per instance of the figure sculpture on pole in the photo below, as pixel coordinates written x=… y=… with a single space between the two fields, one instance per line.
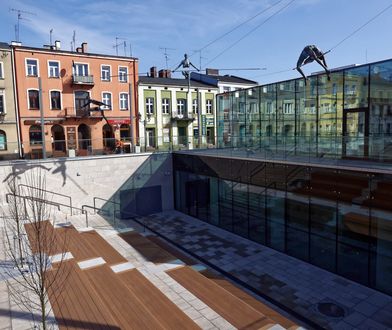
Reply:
x=186 y=64
x=309 y=54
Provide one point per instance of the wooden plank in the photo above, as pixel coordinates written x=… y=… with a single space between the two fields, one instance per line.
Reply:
x=248 y=299
x=102 y=247
x=231 y=308
x=172 y=250
x=168 y=314
x=50 y=242
x=122 y=303
x=76 y=304
x=147 y=248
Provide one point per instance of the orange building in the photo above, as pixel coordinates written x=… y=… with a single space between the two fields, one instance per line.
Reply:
x=68 y=81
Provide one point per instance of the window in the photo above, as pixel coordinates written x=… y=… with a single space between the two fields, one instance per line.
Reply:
x=35 y=135
x=80 y=69
x=81 y=98
x=288 y=108
x=107 y=99
x=105 y=72
x=269 y=109
x=209 y=106
x=122 y=74
x=55 y=100
x=32 y=68
x=226 y=89
x=33 y=99
x=1 y=71
x=194 y=106
x=3 y=141
x=54 y=69
x=149 y=105
x=2 y=105
x=123 y=101
x=181 y=106
x=165 y=106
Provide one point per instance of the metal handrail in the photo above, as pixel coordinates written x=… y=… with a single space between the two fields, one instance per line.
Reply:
x=52 y=192
x=103 y=199
x=84 y=206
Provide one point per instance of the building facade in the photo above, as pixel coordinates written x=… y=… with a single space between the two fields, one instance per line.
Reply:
x=9 y=145
x=225 y=83
x=175 y=115
x=53 y=92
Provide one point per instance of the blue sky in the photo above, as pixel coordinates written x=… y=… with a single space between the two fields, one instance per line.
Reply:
x=186 y=26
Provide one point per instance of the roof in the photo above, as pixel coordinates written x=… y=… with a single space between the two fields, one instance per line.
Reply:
x=234 y=80
x=172 y=82
x=4 y=45
x=68 y=52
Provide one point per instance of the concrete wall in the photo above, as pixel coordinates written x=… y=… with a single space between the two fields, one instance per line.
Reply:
x=85 y=178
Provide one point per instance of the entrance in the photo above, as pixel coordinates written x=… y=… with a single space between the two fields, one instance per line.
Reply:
x=58 y=141
x=84 y=139
x=150 y=137
x=356 y=133
x=182 y=135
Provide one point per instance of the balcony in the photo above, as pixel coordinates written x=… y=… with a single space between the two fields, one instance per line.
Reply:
x=83 y=80
x=71 y=112
x=183 y=117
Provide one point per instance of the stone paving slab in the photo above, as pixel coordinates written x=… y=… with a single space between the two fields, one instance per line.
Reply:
x=296 y=284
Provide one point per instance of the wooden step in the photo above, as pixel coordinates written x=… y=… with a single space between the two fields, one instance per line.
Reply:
x=172 y=250
x=168 y=314
x=234 y=310
x=248 y=299
x=102 y=247
x=125 y=307
x=51 y=242
x=76 y=305
x=148 y=249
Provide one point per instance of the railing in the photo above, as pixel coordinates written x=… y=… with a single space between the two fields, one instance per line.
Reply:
x=108 y=201
x=48 y=191
x=82 y=80
x=40 y=200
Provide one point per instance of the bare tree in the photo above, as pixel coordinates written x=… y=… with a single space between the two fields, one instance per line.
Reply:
x=34 y=247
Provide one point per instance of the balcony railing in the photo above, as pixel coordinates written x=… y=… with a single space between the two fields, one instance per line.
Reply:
x=182 y=116
x=81 y=113
x=82 y=80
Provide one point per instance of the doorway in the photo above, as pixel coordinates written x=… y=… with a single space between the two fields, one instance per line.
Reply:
x=356 y=133
x=84 y=139
x=182 y=135
x=150 y=137
x=58 y=140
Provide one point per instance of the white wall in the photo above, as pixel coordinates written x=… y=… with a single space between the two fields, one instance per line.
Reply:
x=85 y=178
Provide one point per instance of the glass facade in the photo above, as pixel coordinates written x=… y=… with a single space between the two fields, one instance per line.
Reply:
x=335 y=218
x=348 y=116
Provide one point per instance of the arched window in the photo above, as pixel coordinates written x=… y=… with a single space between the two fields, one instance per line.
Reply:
x=35 y=135
x=3 y=141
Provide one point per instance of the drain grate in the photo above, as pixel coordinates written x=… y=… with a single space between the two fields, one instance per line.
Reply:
x=330 y=309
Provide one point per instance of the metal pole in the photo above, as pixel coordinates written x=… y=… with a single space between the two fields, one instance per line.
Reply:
x=41 y=112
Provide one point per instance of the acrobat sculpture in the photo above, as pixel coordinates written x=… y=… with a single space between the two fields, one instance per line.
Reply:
x=186 y=64
x=309 y=54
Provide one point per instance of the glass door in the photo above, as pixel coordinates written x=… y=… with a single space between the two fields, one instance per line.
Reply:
x=355 y=133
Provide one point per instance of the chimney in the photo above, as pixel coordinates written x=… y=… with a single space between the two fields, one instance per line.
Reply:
x=84 y=47
x=212 y=72
x=57 y=44
x=78 y=49
x=153 y=72
x=164 y=73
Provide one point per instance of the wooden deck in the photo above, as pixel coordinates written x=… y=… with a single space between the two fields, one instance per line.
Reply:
x=233 y=309
x=99 y=298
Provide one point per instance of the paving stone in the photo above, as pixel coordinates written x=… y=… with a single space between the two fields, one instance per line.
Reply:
x=355 y=319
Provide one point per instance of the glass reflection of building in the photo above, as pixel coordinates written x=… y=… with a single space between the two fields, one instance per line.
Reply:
x=333 y=216
x=349 y=116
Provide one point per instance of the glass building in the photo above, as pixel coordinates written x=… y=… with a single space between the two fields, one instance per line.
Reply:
x=348 y=116
x=330 y=214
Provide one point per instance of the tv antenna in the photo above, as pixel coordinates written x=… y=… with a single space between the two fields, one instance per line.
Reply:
x=50 y=36
x=166 y=54
x=200 y=56
x=119 y=44
x=19 y=14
